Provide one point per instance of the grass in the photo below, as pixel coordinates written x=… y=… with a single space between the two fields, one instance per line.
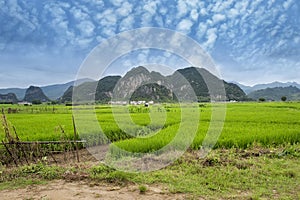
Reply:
x=225 y=174
x=20 y=183
x=254 y=173
x=257 y=155
x=143 y=189
x=246 y=124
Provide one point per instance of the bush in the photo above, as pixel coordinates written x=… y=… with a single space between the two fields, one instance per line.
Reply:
x=142 y=189
x=283 y=98
x=36 y=102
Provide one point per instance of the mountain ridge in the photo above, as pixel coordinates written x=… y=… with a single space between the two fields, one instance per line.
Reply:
x=53 y=91
x=154 y=86
x=276 y=93
x=34 y=93
x=248 y=89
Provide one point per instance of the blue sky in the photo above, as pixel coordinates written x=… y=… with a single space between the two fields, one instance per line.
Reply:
x=45 y=42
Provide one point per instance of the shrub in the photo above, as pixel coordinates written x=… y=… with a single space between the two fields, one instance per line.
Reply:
x=142 y=189
x=283 y=98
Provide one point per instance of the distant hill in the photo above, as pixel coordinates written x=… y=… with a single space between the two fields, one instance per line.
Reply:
x=56 y=91
x=19 y=92
x=105 y=87
x=140 y=84
x=275 y=94
x=87 y=92
x=53 y=92
x=35 y=94
x=249 y=89
x=195 y=77
x=154 y=92
x=8 y=98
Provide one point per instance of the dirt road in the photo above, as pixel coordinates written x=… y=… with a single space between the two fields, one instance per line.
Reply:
x=62 y=190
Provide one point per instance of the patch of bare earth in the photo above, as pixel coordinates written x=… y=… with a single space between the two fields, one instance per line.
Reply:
x=63 y=190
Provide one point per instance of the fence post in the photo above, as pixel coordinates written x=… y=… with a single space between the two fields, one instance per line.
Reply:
x=75 y=138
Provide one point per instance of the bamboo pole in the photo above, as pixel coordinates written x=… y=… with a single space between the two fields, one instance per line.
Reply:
x=75 y=138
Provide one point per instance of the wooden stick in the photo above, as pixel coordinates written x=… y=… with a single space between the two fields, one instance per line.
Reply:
x=21 y=146
x=10 y=153
x=75 y=138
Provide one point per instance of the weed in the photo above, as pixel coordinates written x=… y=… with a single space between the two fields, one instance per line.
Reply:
x=142 y=189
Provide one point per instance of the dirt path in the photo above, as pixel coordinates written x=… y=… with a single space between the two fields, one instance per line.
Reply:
x=62 y=190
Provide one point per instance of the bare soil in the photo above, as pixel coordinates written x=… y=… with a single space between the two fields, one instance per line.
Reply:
x=62 y=190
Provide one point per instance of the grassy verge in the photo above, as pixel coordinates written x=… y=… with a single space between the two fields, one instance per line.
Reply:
x=256 y=173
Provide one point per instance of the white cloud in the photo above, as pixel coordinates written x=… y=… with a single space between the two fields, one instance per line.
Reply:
x=223 y=27
x=282 y=19
x=151 y=7
x=99 y=38
x=287 y=4
x=270 y=3
x=203 y=12
x=192 y=3
x=127 y=23
x=297 y=40
x=142 y=57
x=225 y=5
x=185 y=25
x=108 y=31
x=64 y=4
x=254 y=4
x=116 y=2
x=233 y=13
x=125 y=9
x=107 y=18
x=146 y=19
x=159 y=21
x=27 y=23
x=86 y=28
x=215 y=7
x=96 y=3
x=78 y=14
x=181 y=8
x=218 y=18
x=242 y=6
x=194 y=15
x=211 y=36
x=202 y=27
x=163 y=10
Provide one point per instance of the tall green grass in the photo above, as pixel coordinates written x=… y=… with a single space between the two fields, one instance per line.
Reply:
x=246 y=124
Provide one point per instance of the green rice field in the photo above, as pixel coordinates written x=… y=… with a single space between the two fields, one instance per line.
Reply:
x=245 y=125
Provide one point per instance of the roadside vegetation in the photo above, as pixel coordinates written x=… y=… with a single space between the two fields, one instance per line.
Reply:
x=256 y=156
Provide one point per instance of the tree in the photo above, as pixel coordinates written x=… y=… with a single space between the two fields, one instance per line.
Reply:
x=262 y=99
x=283 y=98
x=36 y=102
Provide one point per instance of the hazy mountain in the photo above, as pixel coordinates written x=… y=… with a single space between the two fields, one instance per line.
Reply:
x=105 y=88
x=8 y=98
x=19 y=92
x=275 y=94
x=154 y=92
x=56 y=91
x=51 y=91
x=248 y=89
x=86 y=91
x=134 y=79
x=140 y=84
x=35 y=94
x=195 y=77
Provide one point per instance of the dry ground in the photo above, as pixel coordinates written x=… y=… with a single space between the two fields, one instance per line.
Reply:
x=62 y=190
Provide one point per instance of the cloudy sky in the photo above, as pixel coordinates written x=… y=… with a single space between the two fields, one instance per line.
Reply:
x=45 y=42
